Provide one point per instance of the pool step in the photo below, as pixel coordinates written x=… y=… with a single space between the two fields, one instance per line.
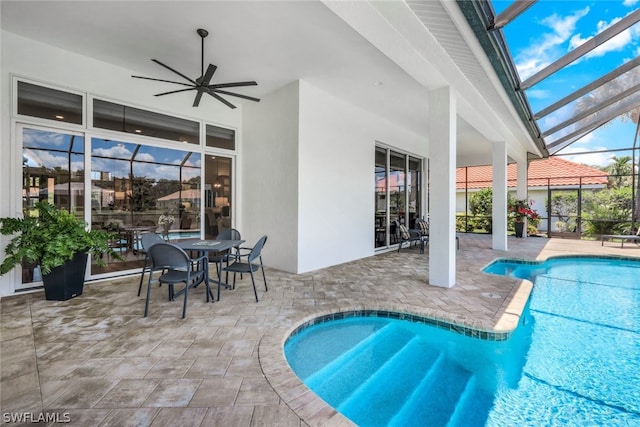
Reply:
x=397 y=377
x=334 y=382
x=473 y=406
x=434 y=399
x=334 y=341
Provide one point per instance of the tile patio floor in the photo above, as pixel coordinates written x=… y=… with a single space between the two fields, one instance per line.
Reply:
x=96 y=360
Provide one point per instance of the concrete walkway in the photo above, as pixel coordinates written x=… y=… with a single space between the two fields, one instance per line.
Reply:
x=95 y=361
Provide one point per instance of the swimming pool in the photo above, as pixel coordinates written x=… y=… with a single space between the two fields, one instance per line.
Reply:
x=574 y=359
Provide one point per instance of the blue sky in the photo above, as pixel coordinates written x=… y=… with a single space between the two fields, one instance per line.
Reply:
x=547 y=31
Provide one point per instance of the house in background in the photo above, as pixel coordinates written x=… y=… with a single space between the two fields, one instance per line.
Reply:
x=544 y=176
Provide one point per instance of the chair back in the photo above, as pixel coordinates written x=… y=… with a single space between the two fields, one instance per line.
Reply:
x=149 y=239
x=229 y=234
x=422 y=226
x=256 y=251
x=166 y=255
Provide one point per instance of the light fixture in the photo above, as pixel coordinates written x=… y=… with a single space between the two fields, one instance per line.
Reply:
x=138 y=131
x=59 y=117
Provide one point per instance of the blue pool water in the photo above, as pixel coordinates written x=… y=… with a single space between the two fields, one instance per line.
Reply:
x=574 y=359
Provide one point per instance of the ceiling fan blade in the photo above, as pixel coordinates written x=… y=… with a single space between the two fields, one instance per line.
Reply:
x=161 y=80
x=221 y=99
x=208 y=75
x=196 y=100
x=235 y=84
x=174 y=91
x=224 y=92
x=175 y=71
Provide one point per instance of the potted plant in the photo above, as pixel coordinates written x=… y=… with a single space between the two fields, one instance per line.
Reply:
x=59 y=243
x=520 y=210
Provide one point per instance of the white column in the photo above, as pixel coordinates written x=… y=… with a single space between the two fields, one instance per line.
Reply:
x=442 y=191
x=499 y=214
x=522 y=191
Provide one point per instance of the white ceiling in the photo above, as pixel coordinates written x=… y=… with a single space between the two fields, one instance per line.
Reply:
x=274 y=43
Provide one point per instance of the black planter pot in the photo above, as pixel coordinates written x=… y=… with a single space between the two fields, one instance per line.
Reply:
x=519 y=228
x=66 y=281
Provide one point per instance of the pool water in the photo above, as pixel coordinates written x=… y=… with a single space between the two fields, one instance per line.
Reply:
x=574 y=359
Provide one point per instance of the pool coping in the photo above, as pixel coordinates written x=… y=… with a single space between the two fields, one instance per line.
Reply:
x=316 y=412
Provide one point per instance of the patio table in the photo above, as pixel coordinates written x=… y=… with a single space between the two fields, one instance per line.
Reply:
x=202 y=246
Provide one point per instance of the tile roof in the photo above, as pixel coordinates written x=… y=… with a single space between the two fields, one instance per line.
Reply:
x=550 y=171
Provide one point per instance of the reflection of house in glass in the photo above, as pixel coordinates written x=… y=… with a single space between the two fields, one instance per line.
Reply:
x=189 y=199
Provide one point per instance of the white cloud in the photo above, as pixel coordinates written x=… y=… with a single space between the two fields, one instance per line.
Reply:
x=630 y=3
x=44 y=139
x=538 y=93
x=547 y=47
x=598 y=159
x=117 y=151
x=617 y=43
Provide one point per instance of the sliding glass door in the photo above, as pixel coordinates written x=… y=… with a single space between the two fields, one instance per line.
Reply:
x=398 y=194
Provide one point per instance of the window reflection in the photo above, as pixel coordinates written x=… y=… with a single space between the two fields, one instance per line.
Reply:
x=138 y=189
x=122 y=118
x=398 y=194
x=218 y=192
x=52 y=171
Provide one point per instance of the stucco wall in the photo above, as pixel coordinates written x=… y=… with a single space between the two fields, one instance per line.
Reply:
x=269 y=182
x=336 y=200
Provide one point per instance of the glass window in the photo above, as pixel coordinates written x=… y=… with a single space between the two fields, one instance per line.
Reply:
x=414 y=180
x=137 y=189
x=398 y=194
x=218 y=195
x=52 y=171
x=47 y=103
x=221 y=138
x=397 y=182
x=381 y=223
x=122 y=118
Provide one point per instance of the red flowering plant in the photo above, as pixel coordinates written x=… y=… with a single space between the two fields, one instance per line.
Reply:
x=520 y=209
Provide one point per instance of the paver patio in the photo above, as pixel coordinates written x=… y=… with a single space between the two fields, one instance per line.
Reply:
x=97 y=361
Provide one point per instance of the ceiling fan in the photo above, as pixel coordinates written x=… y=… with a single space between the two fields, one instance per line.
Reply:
x=202 y=83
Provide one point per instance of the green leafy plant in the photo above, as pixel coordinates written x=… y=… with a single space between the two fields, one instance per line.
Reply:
x=521 y=209
x=481 y=206
x=50 y=236
x=608 y=211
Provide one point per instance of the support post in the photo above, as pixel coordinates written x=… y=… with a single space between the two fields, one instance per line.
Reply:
x=523 y=187
x=442 y=148
x=499 y=203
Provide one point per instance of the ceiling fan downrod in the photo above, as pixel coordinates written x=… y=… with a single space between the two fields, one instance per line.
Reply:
x=202 y=33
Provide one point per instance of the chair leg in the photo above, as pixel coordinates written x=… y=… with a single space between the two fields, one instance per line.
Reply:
x=263 y=275
x=219 y=270
x=146 y=304
x=253 y=282
x=206 y=283
x=144 y=267
x=184 y=305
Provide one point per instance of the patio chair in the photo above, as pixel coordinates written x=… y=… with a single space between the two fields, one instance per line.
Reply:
x=219 y=257
x=176 y=267
x=422 y=226
x=407 y=235
x=249 y=264
x=146 y=241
